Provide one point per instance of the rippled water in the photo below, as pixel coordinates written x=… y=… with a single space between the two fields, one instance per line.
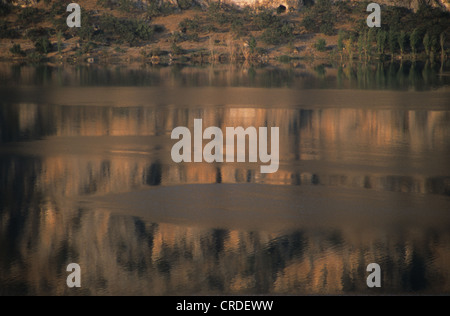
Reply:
x=86 y=176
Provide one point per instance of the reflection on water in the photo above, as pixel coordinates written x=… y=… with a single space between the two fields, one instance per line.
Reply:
x=86 y=176
x=403 y=76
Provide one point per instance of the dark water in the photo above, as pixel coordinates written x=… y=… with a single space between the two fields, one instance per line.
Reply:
x=86 y=176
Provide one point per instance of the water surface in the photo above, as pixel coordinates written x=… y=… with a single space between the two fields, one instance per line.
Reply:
x=86 y=176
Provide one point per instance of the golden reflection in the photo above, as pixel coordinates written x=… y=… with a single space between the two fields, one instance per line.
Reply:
x=125 y=148
x=354 y=155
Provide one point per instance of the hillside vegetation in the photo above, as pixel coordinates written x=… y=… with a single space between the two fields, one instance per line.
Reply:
x=118 y=31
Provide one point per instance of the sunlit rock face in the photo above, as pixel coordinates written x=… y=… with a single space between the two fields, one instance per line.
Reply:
x=288 y=4
x=415 y=4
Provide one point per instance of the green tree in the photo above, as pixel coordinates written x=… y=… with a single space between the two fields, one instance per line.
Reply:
x=427 y=44
x=381 y=41
x=369 y=41
x=321 y=44
x=320 y=17
x=434 y=46
x=17 y=50
x=361 y=43
x=43 y=45
x=340 y=41
x=252 y=44
x=442 y=43
x=5 y=8
x=392 y=41
x=414 y=41
x=59 y=43
x=348 y=44
x=402 y=39
x=177 y=50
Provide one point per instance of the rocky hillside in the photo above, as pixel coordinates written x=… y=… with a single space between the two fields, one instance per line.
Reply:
x=415 y=4
x=296 y=4
x=166 y=30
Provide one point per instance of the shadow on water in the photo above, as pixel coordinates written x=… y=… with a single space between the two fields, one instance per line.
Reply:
x=392 y=76
x=96 y=185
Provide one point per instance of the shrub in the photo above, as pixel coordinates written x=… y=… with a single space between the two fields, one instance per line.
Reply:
x=34 y=57
x=58 y=8
x=35 y=33
x=30 y=15
x=43 y=45
x=106 y=3
x=155 y=9
x=284 y=59
x=156 y=51
x=321 y=45
x=86 y=31
x=177 y=50
x=266 y=19
x=176 y=37
x=6 y=31
x=309 y=23
x=5 y=9
x=320 y=18
x=193 y=37
x=126 y=5
x=192 y=25
x=125 y=30
x=278 y=35
x=271 y=37
x=185 y=4
x=238 y=28
x=252 y=44
x=327 y=28
x=17 y=50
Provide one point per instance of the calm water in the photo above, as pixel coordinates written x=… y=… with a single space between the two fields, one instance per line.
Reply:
x=86 y=176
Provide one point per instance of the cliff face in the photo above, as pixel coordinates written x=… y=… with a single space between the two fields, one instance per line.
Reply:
x=415 y=4
x=410 y=4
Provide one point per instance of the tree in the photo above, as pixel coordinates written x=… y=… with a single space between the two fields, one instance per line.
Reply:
x=252 y=44
x=442 y=42
x=59 y=43
x=414 y=41
x=381 y=41
x=427 y=44
x=348 y=43
x=434 y=46
x=392 y=41
x=402 y=42
x=320 y=17
x=177 y=50
x=321 y=45
x=43 y=45
x=361 y=43
x=369 y=41
x=17 y=50
x=340 y=42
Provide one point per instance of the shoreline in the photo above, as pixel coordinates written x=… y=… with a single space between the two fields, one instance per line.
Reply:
x=112 y=35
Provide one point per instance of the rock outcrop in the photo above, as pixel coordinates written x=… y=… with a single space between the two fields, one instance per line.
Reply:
x=415 y=4
x=410 y=4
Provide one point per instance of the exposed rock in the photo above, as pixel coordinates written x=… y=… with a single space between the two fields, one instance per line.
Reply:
x=410 y=4
x=415 y=4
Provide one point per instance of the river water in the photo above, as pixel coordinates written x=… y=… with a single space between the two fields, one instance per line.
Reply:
x=86 y=177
